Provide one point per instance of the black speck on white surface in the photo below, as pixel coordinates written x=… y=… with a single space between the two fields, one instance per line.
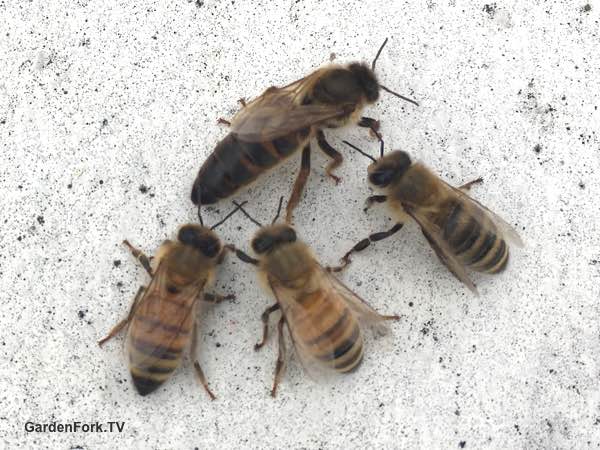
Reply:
x=108 y=110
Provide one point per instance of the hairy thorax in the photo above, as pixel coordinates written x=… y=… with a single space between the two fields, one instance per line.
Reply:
x=292 y=265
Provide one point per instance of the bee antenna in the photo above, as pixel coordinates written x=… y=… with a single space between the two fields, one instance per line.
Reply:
x=378 y=53
x=200 y=214
x=278 y=210
x=360 y=151
x=409 y=100
x=246 y=213
x=228 y=216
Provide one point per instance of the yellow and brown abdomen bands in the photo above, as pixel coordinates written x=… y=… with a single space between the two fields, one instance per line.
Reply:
x=329 y=331
x=235 y=163
x=151 y=361
x=475 y=240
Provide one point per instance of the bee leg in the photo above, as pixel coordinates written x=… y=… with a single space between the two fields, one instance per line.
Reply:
x=281 y=357
x=373 y=125
x=123 y=323
x=467 y=186
x=222 y=121
x=374 y=199
x=299 y=184
x=242 y=256
x=217 y=298
x=242 y=101
x=364 y=244
x=140 y=256
x=265 y=320
x=197 y=367
x=332 y=153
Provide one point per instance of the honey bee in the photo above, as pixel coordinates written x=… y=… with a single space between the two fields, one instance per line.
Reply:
x=283 y=120
x=161 y=323
x=321 y=313
x=462 y=232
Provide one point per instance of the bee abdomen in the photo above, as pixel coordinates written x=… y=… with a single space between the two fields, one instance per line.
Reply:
x=151 y=364
x=475 y=241
x=495 y=259
x=331 y=333
x=235 y=163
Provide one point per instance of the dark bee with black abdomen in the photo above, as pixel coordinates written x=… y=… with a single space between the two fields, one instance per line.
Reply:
x=463 y=232
x=283 y=120
x=161 y=324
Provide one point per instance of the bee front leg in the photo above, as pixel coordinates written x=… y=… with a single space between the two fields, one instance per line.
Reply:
x=364 y=244
x=265 y=320
x=217 y=298
x=374 y=199
x=281 y=357
x=299 y=184
x=332 y=153
x=140 y=256
x=373 y=125
x=242 y=256
x=197 y=367
x=118 y=327
x=467 y=186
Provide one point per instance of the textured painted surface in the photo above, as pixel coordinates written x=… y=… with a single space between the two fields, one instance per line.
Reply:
x=106 y=113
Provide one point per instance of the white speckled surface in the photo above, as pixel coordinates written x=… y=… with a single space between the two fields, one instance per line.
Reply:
x=99 y=99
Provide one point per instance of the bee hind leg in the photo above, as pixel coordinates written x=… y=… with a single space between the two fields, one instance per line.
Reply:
x=265 y=320
x=281 y=357
x=123 y=323
x=222 y=121
x=361 y=245
x=197 y=367
x=298 y=184
x=332 y=153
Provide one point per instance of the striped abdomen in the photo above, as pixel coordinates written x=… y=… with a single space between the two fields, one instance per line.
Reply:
x=474 y=238
x=329 y=331
x=158 y=335
x=235 y=163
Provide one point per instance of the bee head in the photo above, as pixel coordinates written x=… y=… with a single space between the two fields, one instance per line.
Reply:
x=367 y=80
x=201 y=238
x=272 y=236
x=389 y=168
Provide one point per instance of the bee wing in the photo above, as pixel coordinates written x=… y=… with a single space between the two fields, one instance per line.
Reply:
x=296 y=316
x=155 y=305
x=276 y=112
x=357 y=304
x=441 y=248
x=344 y=301
x=505 y=228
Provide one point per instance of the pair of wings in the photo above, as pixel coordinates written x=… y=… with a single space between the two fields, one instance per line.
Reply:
x=156 y=303
x=294 y=313
x=278 y=112
x=434 y=235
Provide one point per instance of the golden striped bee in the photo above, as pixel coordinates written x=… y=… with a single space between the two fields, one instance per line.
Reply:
x=462 y=232
x=161 y=323
x=283 y=120
x=321 y=313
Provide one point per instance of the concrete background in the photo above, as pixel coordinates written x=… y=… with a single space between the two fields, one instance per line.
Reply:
x=107 y=110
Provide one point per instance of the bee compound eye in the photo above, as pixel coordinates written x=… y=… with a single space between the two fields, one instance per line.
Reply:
x=263 y=243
